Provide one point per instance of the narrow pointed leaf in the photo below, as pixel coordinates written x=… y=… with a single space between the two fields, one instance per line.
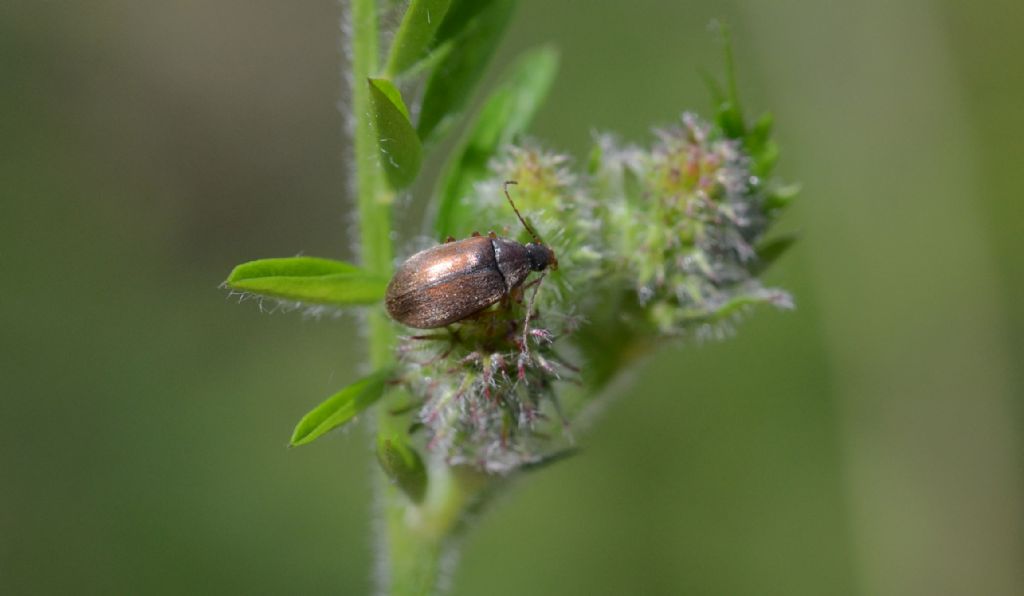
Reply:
x=551 y=458
x=460 y=15
x=415 y=34
x=717 y=96
x=400 y=151
x=594 y=159
x=769 y=252
x=632 y=186
x=308 y=279
x=770 y=296
x=730 y=112
x=730 y=120
x=403 y=466
x=451 y=84
x=780 y=197
x=340 y=407
x=760 y=133
x=506 y=114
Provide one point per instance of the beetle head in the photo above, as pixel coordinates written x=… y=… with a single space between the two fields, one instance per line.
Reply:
x=541 y=257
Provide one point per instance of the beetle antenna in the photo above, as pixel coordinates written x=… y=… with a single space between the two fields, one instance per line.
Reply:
x=511 y=202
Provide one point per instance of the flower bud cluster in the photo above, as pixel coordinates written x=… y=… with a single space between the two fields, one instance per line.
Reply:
x=686 y=217
x=657 y=242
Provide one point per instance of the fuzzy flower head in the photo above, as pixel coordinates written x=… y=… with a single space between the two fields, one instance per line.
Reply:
x=488 y=384
x=688 y=218
x=651 y=242
x=555 y=202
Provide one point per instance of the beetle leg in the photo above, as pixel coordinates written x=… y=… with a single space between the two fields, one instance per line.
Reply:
x=529 y=313
x=407 y=348
x=449 y=239
x=492 y=235
x=429 y=336
x=532 y=283
x=475 y=234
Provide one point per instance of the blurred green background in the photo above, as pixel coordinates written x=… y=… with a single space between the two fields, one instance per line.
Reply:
x=868 y=443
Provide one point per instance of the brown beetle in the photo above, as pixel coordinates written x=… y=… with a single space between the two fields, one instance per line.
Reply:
x=450 y=282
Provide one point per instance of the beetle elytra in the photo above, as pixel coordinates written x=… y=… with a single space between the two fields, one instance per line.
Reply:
x=452 y=281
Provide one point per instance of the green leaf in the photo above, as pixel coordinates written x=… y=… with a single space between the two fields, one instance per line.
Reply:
x=415 y=34
x=340 y=407
x=505 y=115
x=403 y=466
x=451 y=84
x=400 y=151
x=308 y=279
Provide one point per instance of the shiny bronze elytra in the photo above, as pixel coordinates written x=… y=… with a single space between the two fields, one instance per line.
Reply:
x=450 y=282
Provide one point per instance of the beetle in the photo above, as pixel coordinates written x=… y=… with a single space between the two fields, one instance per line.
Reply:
x=455 y=280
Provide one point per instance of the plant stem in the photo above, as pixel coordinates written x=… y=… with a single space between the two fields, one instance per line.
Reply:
x=413 y=536
x=420 y=536
x=374 y=199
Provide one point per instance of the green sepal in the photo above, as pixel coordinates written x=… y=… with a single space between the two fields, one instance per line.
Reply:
x=780 y=197
x=768 y=252
x=403 y=466
x=738 y=304
x=763 y=150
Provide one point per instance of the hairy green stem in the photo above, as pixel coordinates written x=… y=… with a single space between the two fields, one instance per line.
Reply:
x=374 y=199
x=421 y=536
x=414 y=537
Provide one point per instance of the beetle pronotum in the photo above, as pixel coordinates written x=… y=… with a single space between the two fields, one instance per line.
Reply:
x=452 y=281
